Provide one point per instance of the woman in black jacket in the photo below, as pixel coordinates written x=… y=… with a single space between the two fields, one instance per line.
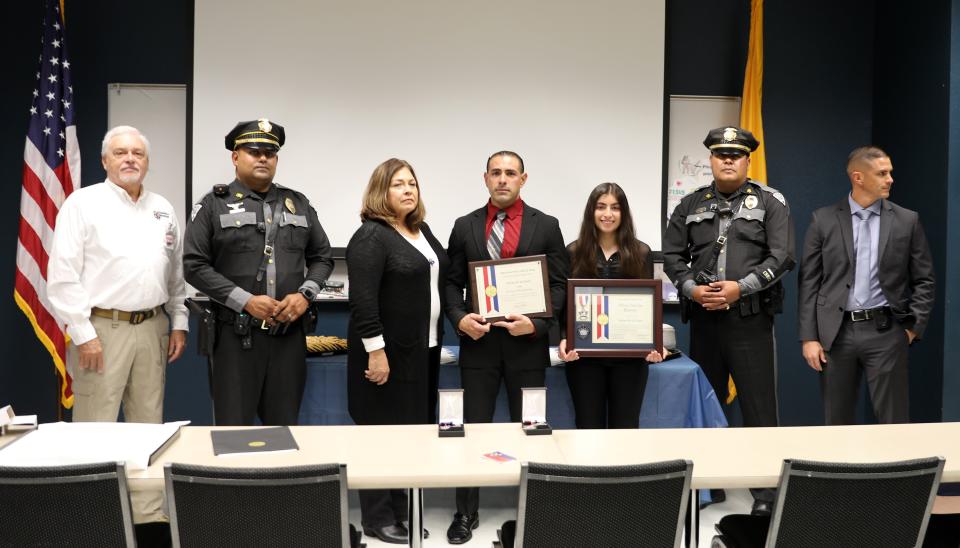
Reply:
x=607 y=392
x=395 y=268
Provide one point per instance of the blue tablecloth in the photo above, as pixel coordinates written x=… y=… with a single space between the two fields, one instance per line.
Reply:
x=678 y=395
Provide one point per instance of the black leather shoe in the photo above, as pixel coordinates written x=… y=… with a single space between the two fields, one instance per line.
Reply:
x=461 y=529
x=391 y=534
x=406 y=526
x=761 y=508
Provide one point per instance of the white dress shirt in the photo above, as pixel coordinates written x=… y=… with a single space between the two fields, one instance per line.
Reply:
x=111 y=252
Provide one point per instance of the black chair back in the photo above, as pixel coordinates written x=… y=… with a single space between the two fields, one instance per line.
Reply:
x=591 y=506
x=80 y=505
x=295 y=506
x=841 y=504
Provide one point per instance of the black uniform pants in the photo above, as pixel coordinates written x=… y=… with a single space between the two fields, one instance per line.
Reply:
x=861 y=349
x=266 y=381
x=382 y=507
x=725 y=343
x=607 y=393
x=480 y=389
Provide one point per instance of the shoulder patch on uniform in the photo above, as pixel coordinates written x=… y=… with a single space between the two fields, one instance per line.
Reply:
x=196 y=209
x=776 y=193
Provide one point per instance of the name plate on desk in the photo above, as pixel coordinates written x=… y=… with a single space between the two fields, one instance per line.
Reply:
x=510 y=286
x=614 y=318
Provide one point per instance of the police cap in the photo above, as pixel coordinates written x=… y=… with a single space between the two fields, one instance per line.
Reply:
x=731 y=140
x=260 y=133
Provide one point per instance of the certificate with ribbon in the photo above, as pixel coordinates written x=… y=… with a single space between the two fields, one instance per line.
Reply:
x=616 y=318
x=510 y=286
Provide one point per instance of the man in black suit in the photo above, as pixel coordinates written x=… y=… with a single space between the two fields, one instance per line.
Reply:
x=866 y=292
x=515 y=350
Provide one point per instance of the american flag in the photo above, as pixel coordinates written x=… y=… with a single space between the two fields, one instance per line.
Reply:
x=51 y=170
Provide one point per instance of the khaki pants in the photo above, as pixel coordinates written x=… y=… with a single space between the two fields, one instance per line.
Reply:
x=134 y=371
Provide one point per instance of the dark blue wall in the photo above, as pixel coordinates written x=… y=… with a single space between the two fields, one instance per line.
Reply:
x=911 y=102
x=837 y=75
x=951 y=230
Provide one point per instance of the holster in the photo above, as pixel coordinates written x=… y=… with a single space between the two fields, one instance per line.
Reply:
x=207 y=324
x=771 y=299
x=309 y=319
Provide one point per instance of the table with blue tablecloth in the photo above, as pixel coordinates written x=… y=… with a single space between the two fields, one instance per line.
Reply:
x=678 y=395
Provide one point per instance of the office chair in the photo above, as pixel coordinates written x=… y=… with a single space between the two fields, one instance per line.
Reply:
x=841 y=504
x=295 y=506
x=595 y=506
x=78 y=505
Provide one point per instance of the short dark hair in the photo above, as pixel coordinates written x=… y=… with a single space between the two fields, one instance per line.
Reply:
x=505 y=153
x=864 y=154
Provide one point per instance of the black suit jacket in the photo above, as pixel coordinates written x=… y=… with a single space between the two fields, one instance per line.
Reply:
x=539 y=235
x=828 y=266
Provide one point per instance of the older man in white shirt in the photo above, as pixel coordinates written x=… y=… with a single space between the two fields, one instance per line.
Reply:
x=115 y=264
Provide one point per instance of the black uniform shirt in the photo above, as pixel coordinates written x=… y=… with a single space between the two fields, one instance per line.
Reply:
x=224 y=250
x=760 y=244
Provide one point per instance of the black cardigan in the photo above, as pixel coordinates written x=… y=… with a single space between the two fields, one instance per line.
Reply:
x=390 y=296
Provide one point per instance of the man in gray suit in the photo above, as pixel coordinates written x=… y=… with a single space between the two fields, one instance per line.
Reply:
x=866 y=291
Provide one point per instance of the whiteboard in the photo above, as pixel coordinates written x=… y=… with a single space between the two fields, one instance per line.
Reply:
x=160 y=113
x=576 y=88
x=691 y=117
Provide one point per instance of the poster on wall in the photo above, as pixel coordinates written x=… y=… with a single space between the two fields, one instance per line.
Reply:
x=691 y=117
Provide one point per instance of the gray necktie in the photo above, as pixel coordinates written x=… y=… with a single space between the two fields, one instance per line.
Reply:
x=861 y=289
x=495 y=241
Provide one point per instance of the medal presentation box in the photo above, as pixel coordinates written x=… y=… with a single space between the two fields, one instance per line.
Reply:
x=510 y=286
x=614 y=318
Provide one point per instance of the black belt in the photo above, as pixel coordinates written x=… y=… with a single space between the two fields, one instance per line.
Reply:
x=864 y=315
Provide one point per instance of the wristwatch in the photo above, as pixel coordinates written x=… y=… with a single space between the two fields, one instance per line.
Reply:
x=308 y=293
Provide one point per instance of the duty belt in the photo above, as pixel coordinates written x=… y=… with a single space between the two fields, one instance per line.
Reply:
x=864 y=315
x=136 y=317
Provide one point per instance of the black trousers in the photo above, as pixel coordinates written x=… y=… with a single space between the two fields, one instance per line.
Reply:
x=480 y=389
x=266 y=381
x=725 y=343
x=607 y=392
x=861 y=349
x=382 y=507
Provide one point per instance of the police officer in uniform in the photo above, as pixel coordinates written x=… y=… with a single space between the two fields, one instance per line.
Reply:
x=258 y=251
x=726 y=247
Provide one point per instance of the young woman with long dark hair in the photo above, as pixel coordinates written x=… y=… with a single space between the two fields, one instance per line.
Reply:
x=608 y=392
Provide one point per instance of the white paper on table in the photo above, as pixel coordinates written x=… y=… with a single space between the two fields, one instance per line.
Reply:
x=60 y=443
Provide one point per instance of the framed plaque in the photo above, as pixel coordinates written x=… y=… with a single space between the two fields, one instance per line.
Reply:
x=510 y=286
x=614 y=318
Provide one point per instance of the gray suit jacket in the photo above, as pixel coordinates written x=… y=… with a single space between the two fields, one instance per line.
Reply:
x=828 y=266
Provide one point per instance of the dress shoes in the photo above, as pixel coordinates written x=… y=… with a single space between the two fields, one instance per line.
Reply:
x=762 y=508
x=406 y=527
x=391 y=534
x=461 y=529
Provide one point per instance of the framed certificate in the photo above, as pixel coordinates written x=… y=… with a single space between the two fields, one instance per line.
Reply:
x=510 y=286
x=614 y=318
